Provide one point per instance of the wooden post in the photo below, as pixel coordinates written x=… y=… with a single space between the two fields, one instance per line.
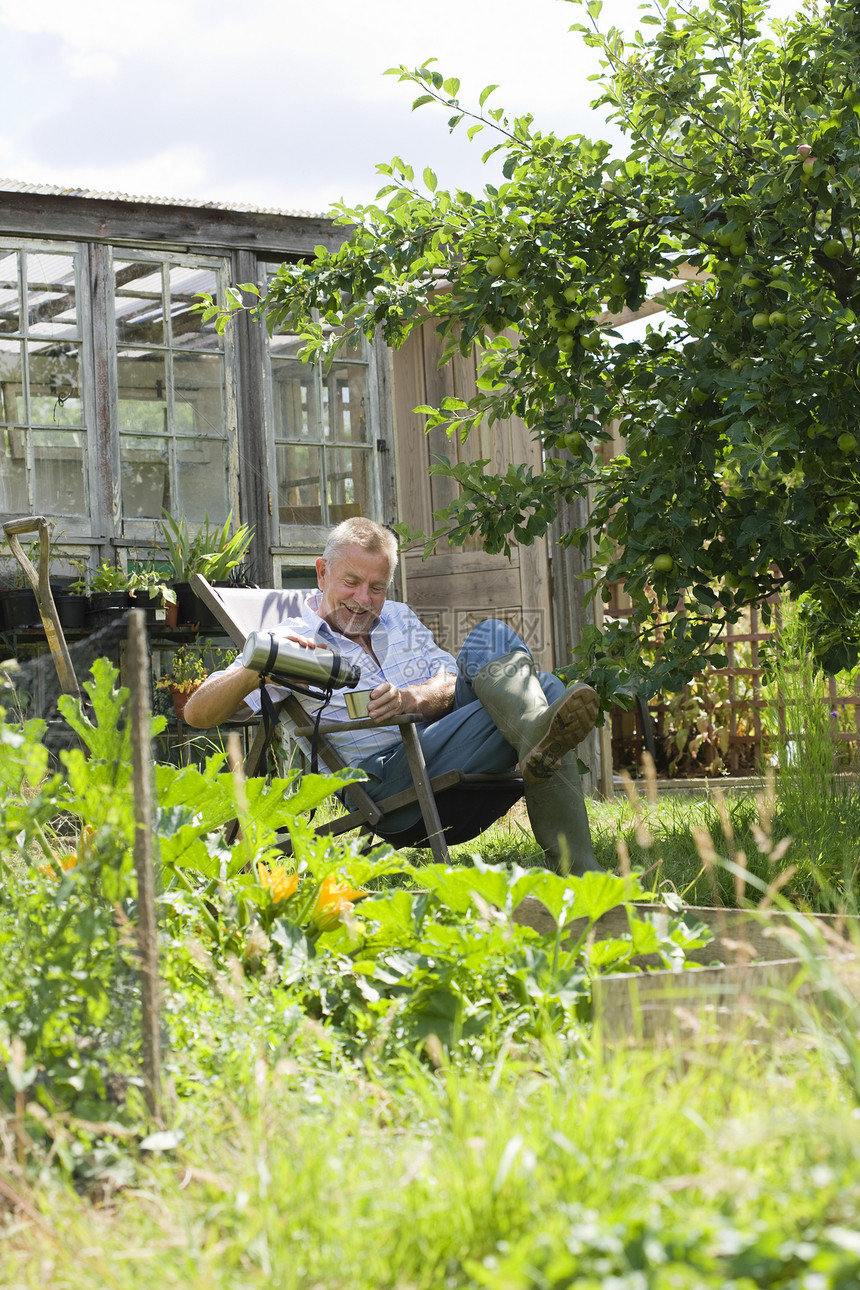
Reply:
x=144 y=864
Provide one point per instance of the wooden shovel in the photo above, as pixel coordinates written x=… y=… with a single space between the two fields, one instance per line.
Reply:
x=44 y=599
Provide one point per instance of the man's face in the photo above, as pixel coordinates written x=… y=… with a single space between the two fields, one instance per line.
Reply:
x=353 y=586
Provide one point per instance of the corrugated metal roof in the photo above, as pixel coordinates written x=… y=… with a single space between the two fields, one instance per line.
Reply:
x=91 y=194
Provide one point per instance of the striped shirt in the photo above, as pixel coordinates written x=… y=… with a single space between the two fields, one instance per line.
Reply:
x=407 y=655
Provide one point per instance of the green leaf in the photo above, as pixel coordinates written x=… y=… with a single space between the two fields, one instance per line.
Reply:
x=430 y=179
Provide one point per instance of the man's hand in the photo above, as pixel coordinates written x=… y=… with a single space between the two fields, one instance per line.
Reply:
x=429 y=699
x=385 y=702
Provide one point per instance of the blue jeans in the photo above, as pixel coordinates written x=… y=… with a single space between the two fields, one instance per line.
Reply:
x=464 y=739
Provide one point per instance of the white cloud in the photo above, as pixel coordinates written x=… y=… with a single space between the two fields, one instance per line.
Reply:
x=276 y=102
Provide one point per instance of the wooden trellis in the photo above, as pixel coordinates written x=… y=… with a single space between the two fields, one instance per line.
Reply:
x=632 y=732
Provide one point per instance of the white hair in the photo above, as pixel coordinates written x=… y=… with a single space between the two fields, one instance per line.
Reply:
x=370 y=536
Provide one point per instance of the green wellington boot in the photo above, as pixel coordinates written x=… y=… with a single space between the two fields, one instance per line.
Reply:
x=545 y=736
x=510 y=690
x=559 y=820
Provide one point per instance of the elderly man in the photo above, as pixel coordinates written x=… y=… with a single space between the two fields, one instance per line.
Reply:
x=486 y=711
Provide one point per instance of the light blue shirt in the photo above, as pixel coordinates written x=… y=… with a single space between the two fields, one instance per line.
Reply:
x=407 y=653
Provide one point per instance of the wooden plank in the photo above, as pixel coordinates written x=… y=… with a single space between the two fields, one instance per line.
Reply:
x=438 y=385
x=736 y=983
x=444 y=563
x=740 y=935
x=536 y=602
x=424 y=793
x=410 y=439
x=492 y=589
x=113 y=220
x=144 y=860
x=255 y=487
x=709 y=1002
x=382 y=374
x=105 y=498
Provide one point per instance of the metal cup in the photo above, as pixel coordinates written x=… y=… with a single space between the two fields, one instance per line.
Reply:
x=357 y=701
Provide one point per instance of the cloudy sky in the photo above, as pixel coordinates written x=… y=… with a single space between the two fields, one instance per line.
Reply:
x=275 y=102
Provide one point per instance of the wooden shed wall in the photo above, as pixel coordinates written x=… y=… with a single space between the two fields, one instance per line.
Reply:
x=459 y=586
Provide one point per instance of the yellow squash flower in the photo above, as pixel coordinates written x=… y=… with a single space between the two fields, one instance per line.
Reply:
x=280 y=883
x=66 y=863
x=334 y=899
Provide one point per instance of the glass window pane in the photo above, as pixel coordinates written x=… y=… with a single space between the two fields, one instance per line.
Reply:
x=13 y=472
x=51 y=293
x=286 y=346
x=188 y=328
x=142 y=389
x=352 y=352
x=349 y=478
x=59 y=477
x=345 y=411
x=10 y=318
x=202 y=467
x=198 y=388
x=145 y=476
x=11 y=382
x=296 y=399
x=138 y=303
x=55 y=395
x=299 y=484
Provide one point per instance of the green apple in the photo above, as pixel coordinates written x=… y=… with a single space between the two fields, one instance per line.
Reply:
x=589 y=340
x=571 y=295
x=846 y=442
x=663 y=563
x=777 y=318
x=513 y=270
x=495 y=266
x=761 y=320
x=566 y=342
x=833 y=248
x=700 y=395
x=808 y=169
x=506 y=254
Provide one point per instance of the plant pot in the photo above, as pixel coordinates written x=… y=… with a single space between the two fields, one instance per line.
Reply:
x=20 y=610
x=191 y=609
x=104 y=607
x=180 y=698
x=156 y=614
x=71 y=610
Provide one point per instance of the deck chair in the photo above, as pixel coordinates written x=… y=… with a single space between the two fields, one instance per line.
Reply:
x=455 y=807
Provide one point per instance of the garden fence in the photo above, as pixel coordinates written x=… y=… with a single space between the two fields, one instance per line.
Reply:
x=715 y=725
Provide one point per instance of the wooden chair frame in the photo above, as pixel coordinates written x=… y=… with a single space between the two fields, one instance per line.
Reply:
x=240 y=611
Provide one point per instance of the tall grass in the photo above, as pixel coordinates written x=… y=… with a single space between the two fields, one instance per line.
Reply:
x=816 y=806
x=732 y=1169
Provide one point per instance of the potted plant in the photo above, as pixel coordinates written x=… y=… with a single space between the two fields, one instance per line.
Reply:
x=108 y=590
x=162 y=596
x=19 y=606
x=186 y=674
x=213 y=552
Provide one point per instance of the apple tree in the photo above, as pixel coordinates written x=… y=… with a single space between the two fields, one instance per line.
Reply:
x=739 y=411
